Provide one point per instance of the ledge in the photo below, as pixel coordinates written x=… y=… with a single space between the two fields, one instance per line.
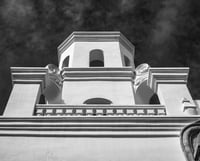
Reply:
x=167 y=76
x=86 y=74
x=29 y=75
x=93 y=127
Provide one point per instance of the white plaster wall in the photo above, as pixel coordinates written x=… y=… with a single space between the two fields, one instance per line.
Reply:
x=22 y=100
x=90 y=149
x=119 y=92
x=68 y=52
x=81 y=50
x=171 y=95
x=127 y=53
x=143 y=94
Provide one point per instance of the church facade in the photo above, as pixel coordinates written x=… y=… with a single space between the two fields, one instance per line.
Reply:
x=96 y=105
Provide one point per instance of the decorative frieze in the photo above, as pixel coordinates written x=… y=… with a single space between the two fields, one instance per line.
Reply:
x=55 y=110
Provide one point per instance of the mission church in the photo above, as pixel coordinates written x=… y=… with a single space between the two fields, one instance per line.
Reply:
x=96 y=105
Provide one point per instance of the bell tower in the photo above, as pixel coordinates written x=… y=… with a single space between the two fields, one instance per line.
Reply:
x=97 y=106
x=97 y=68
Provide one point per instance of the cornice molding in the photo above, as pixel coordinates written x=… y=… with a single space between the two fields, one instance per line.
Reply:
x=94 y=126
x=105 y=36
x=167 y=76
x=85 y=74
x=29 y=75
x=180 y=120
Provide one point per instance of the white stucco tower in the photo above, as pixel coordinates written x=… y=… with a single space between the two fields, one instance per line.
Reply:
x=97 y=106
x=97 y=67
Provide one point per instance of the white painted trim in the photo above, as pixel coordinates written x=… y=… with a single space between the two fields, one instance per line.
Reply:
x=94 y=126
x=167 y=76
x=103 y=105
x=95 y=74
x=29 y=75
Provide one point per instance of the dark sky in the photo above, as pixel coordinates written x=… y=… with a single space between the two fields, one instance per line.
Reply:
x=166 y=33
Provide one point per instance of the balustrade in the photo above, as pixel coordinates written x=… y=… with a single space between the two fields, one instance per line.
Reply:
x=101 y=110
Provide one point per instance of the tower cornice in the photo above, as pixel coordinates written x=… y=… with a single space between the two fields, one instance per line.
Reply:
x=106 y=36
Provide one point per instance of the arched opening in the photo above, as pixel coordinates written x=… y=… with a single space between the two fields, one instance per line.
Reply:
x=97 y=101
x=42 y=99
x=154 y=99
x=127 y=61
x=65 y=62
x=96 y=58
x=145 y=95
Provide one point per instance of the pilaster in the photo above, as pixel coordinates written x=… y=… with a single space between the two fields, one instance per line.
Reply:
x=28 y=84
x=171 y=86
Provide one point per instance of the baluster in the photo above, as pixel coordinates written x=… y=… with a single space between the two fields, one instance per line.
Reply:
x=79 y=111
x=69 y=111
x=130 y=111
x=119 y=111
x=161 y=111
x=49 y=112
x=150 y=111
x=39 y=112
x=89 y=111
x=99 y=111
x=109 y=112
x=59 y=112
x=140 y=111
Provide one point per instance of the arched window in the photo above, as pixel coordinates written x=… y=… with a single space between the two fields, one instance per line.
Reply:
x=97 y=101
x=127 y=61
x=65 y=62
x=96 y=58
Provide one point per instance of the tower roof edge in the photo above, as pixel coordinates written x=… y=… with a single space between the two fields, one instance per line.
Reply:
x=95 y=36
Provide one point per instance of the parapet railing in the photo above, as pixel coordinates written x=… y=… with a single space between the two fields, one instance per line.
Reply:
x=98 y=110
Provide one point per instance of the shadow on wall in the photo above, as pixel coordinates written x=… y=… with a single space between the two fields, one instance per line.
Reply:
x=145 y=95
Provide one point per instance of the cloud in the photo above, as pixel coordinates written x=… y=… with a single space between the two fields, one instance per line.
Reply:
x=17 y=11
x=165 y=21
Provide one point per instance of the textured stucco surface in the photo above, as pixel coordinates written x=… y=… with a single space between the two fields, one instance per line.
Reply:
x=79 y=54
x=90 y=149
x=172 y=95
x=22 y=100
x=119 y=92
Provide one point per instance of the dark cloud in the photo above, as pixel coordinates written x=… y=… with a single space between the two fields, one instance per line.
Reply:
x=165 y=32
x=166 y=21
x=17 y=12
